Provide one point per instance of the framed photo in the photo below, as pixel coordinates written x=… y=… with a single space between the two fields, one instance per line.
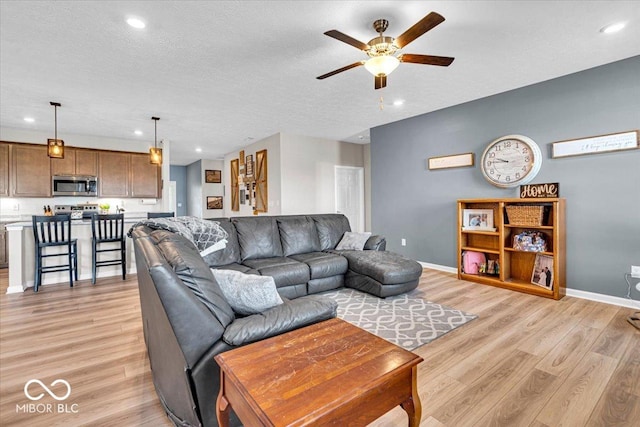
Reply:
x=596 y=144
x=212 y=176
x=248 y=165
x=214 y=202
x=243 y=200
x=453 y=161
x=477 y=219
x=542 y=274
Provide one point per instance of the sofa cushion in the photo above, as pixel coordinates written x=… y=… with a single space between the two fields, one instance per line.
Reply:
x=353 y=241
x=322 y=264
x=285 y=271
x=237 y=267
x=247 y=293
x=293 y=314
x=184 y=258
x=231 y=253
x=298 y=235
x=331 y=228
x=258 y=237
x=388 y=268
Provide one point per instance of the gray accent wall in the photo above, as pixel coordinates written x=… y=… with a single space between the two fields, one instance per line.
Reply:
x=602 y=190
x=179 y=175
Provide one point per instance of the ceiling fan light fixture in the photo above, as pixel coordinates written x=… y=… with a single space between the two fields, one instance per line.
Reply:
x=382 y=65
x=55 y=146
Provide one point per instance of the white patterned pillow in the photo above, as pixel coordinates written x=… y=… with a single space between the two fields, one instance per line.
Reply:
x=353 y=241
x=247 y=293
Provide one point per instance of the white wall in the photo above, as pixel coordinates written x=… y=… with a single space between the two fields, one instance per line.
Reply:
x=27 y=206
x=272 y=145
x=308 y=181
x=367 y=186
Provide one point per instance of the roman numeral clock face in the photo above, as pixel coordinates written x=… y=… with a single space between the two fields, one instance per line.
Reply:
x=511 y=160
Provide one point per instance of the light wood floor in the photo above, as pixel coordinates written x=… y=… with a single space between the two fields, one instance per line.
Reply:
x=526 y=361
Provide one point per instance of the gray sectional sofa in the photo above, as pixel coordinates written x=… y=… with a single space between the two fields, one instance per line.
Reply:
x=187 y=320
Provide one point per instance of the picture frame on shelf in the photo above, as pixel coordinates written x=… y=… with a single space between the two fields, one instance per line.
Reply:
x=214 y=202
x=477 y=220
x=212 y=176
x=542 y=274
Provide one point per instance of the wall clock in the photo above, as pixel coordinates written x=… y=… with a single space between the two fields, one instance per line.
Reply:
x=511 y=160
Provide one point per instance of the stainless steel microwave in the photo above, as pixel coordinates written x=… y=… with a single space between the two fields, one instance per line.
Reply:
x=74 y=185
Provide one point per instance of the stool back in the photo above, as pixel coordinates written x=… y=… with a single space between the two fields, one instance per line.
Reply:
x=107 y=228
x=51 y=230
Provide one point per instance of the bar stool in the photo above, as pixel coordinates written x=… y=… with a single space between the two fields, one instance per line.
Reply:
x=159 y=215
x=49 y=232
x=109 y=230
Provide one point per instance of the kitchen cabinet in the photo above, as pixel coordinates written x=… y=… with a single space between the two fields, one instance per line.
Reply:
x=77 y=161
x=145 y=177
x=113 y=174
x=4 y=169
x=127 y=175
x=30 y=171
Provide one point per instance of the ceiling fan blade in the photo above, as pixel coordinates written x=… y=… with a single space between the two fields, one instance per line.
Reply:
x=380 y=81
x=421 y=27
x=339 y=70
x=347 y=39
x=443 y=61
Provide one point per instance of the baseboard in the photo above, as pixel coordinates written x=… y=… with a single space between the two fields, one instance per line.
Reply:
x=607 y=299
x=438 y=267
x=86 y=276
x=576 y=293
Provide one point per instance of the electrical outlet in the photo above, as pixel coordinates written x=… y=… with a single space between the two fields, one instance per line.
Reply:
x=635 y=271
x=403 y=242
x=16 y=207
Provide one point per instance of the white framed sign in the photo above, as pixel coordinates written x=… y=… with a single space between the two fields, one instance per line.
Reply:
x=452 y=161
x=595 y=144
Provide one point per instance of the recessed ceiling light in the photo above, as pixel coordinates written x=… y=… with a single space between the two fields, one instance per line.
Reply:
x=198 y=150
x=612 y=28
x=137 y=132
x=29 y=119
x=398 y=102
x=136 y=23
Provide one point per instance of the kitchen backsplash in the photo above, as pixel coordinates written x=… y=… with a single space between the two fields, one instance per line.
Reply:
x=21 y=209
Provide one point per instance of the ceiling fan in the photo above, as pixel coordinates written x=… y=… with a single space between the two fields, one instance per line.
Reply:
x=384 y=52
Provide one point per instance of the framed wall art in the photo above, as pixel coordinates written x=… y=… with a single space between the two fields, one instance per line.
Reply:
x=596 y=144
x=214 y=202
x=212 y=176
x=452 y=161
x=248 y=167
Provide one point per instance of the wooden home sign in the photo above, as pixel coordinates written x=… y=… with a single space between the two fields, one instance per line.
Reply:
x=539 y=191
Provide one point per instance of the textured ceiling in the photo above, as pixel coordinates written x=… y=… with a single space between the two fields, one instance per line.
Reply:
x=219 y=73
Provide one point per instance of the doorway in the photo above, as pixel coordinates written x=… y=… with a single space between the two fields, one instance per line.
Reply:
x=349 y=193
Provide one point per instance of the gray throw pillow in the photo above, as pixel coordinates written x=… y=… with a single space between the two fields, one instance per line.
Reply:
x=247 y=293
x=353 y=241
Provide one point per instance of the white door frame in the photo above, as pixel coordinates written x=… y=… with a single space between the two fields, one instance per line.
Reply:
x=360 y=171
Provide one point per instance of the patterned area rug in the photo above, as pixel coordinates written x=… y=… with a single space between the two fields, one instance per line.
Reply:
x=405 y=320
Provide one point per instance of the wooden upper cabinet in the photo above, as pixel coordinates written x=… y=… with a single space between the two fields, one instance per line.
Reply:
x=4 y=169
x=86 y=162
x=145 y=177
x=113 y=174
x=76 y=162
x=30 y=171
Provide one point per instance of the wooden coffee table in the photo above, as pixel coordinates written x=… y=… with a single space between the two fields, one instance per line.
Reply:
x=328 y=373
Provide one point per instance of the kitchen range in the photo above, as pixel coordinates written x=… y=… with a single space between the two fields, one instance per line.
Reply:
x=80 y=211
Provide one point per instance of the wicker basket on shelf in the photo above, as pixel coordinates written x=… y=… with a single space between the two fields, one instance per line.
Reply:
x=529 y=215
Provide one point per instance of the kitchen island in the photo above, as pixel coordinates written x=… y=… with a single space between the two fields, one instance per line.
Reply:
x=21 y=250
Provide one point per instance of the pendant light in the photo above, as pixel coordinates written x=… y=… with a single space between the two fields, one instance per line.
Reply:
x=55 y=146
x=155 y=153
